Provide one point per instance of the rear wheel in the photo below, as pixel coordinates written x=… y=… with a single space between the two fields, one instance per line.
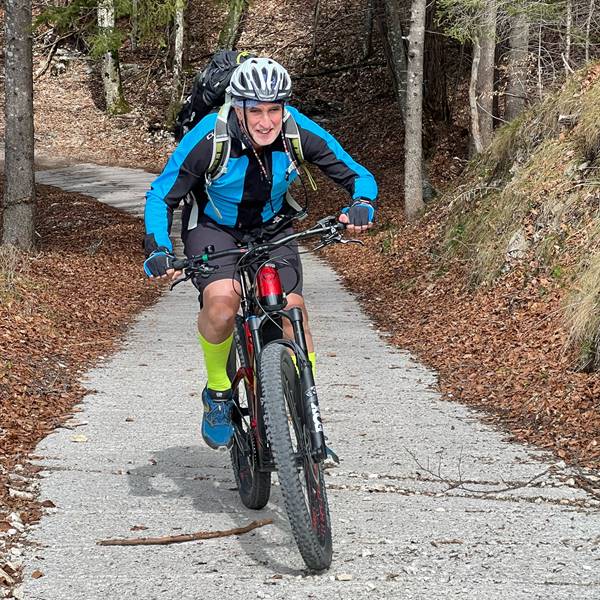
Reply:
x=254 y=485
x=300 y=476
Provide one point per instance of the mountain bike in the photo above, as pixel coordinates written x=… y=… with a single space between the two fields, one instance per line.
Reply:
x=277 y=419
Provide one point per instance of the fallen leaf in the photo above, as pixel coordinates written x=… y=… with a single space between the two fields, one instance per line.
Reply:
x=48 y=504
x=138 y=528
x=5 y=578
x=79 y=438
x=37 y=574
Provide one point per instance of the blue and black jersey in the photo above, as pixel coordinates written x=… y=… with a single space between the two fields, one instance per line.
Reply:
x=242 y=198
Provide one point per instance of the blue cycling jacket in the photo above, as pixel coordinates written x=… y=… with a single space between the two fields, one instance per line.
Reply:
x=242 y=198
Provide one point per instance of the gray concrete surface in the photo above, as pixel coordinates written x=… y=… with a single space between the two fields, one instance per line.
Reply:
x=416 y=507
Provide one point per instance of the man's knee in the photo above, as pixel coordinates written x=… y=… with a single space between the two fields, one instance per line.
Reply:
x=220 y=303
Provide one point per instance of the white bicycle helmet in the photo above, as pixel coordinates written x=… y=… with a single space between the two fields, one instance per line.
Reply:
x=261 y=80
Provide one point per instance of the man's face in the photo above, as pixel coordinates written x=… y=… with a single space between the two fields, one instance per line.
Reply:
x=263 y=121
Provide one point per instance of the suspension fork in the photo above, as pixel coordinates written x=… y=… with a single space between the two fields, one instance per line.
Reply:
x=309 y=398
x=311 y=413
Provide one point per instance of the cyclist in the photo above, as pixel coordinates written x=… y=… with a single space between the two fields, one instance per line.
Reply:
x=247 y=200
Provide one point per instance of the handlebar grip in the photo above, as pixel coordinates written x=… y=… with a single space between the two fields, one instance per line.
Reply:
x=180 y=264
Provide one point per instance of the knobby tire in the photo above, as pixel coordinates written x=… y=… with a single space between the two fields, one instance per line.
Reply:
x=308 y=511
x=254 y=485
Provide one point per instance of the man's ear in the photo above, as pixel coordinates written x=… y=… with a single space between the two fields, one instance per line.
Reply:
x=239 y=112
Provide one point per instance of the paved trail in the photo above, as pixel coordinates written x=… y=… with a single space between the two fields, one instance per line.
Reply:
x=399 y=531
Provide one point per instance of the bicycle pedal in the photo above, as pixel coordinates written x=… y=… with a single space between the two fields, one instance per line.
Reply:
x=333 y=456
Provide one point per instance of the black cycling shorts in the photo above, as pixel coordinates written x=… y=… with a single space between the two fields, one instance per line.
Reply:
x=208 y=233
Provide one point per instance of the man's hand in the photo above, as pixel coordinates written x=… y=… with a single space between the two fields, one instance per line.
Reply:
x=159 y=265
x=358 y=216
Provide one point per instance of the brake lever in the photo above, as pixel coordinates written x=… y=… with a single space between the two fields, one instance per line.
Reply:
x=336 y=239
x=180 y=280
x=332 y=238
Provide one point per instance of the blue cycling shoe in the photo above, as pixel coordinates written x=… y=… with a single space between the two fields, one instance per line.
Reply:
x=217 y=429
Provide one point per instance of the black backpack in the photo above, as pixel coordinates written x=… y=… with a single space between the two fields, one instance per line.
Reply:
x=208 y=89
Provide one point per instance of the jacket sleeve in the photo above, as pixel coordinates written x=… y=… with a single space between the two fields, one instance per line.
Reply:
x=184 y=170
x=322 y=149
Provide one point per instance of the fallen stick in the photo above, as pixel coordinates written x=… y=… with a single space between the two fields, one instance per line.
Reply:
x=186 y=537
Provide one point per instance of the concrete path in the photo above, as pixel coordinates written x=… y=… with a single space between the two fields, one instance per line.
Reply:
x=415 y=503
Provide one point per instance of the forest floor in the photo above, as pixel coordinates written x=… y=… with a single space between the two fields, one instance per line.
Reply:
x=498 y=348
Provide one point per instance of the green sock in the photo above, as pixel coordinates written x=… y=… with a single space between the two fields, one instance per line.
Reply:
x=313 y=361
x=215 y=359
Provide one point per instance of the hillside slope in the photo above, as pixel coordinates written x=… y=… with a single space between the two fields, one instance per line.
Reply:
x=498 y=286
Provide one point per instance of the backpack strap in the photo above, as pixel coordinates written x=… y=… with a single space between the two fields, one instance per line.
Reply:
x=292 y=135
x=221 y=144
x=221 y=150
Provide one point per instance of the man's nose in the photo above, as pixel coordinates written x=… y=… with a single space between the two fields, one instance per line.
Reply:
x=266 y=121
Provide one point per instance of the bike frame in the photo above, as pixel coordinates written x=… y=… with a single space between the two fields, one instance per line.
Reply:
x=255 y=319
x=257 y=335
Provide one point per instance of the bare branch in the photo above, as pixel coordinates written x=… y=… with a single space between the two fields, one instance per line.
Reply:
x=460 y=482
x=48 y=60
x=186 y=537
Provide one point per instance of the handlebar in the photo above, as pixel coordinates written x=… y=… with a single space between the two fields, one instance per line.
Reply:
x=329 y=228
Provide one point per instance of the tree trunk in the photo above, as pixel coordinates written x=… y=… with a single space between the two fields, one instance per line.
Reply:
x=434 y=70
x=588 y=26
x=567 y=56
x=111 y=74
x=380 y=19
x=485 y=74
x=518 y=66
x=475 y=132
x=389 y=18
x=133 y=36
x=395 y=34
x=178 y=48
x=540 y=85
x=413 y=138
x=18 y=226
x=177 y=83
x=230 y=34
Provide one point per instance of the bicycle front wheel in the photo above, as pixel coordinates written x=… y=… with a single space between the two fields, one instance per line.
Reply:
x=253 y=483
x=301 y=477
